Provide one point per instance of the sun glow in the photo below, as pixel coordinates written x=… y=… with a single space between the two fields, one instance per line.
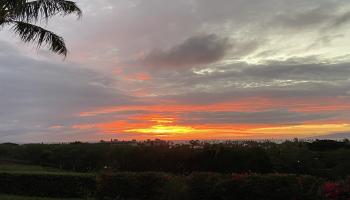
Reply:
x=165 y=126
x=165 y=129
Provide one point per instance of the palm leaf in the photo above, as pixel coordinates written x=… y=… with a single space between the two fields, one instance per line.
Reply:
x=32 y=33
x=24 y=10
x=24 y=14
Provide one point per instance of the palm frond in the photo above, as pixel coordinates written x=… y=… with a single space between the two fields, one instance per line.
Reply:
x=24 y=14
x=9 y=4
x=29 y=11
x=32 y=33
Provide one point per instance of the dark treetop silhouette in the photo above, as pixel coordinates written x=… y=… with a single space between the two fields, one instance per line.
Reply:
x=23 y=15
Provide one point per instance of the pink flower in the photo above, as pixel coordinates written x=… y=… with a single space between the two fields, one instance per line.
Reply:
x=332 y=190
x=238 y=177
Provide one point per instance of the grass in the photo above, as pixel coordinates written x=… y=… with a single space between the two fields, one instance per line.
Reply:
x=12 y=197
x=14 y=168
x=34 y=169
x=9 y=167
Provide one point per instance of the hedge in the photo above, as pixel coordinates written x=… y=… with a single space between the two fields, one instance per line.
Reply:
x=47 y=185
x=207 y=186
x=161 y=186
x=145 y=186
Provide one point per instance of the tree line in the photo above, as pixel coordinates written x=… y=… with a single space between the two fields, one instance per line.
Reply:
x=323 y=158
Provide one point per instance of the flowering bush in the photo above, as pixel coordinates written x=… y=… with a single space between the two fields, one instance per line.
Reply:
x=332 y=190
x=337 y=190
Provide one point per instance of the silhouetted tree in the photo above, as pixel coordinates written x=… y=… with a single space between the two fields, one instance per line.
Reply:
x=328 y=159
x=23 y=15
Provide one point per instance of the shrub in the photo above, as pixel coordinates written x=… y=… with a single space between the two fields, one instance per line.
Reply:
x=204 y=186
x=247 y=187
x=161 y=186
x=175 y=188
x=47 y=185
x=273 y=187
x=336 y=190
x=145 y=186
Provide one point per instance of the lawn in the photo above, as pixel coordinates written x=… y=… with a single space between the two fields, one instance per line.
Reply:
x=12 y=197
x=10 y=167
x=33 y=169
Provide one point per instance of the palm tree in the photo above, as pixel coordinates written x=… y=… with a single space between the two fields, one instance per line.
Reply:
x=23 y=15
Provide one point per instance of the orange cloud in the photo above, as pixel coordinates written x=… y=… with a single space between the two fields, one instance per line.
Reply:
x=166 y=127
x=242 y=105
x=247 y=105
x=138 y=77
x=303 y=130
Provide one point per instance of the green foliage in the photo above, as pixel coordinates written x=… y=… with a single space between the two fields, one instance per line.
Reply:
x=203 y=186
x=9 y=167
x=161 y=186
x=295 y=157
x=47 y=185
x=12 y=197
x=146 y=186
x=207 y=186
x=339 y=190
x=227 y=171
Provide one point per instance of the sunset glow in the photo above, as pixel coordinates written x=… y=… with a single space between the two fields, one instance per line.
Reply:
x=183 y=70
x=164 y=129
x=176 y=124
x=165 y=126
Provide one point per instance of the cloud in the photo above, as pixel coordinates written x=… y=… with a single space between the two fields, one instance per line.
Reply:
x=290 y=78
x=263 y=117
x=325 y=16
x=332 y=136
x=37 y=94
x=306 y=18
x=194 y=51
x=278 y=57
x=340 y=20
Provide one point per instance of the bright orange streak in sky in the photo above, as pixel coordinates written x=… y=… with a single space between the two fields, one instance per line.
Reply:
x=164 y=125
x=167 y=127
x=307 y=129
x=251 y=105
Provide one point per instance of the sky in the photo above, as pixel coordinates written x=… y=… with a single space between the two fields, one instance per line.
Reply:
x=181 y=70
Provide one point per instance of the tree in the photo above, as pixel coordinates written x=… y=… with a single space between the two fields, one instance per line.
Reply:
x=23 y=15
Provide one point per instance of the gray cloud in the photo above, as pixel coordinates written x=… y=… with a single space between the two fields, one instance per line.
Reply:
x=323 y=17
x=298 y=49
x=332 y=136
x=36 y=95
x=196 y=50
x=287 y=79
x=340 y=20
x=308 y=18
x=288 y=70
x=265 y=117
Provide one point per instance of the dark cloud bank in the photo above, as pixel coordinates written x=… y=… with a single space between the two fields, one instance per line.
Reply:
x=194 y=51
